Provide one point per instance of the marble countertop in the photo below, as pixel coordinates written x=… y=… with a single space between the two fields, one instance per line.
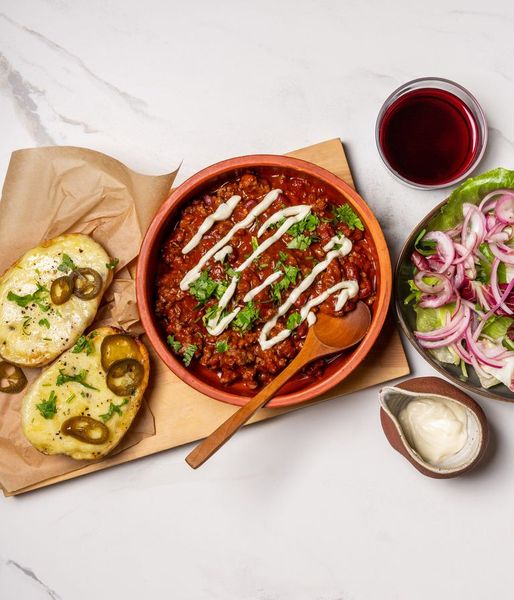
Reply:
x=315 y=505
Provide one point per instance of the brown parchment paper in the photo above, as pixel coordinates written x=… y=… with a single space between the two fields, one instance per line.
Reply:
x=55 y=190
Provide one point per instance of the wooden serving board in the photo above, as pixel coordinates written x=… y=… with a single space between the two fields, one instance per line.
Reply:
x=183 y=415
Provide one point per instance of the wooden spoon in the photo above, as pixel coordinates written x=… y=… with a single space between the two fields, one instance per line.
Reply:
x=328 y=336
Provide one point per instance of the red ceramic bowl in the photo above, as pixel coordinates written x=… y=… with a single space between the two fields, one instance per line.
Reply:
x=207 y=179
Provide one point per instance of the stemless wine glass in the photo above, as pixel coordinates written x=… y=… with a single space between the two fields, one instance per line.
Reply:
x=431 y=133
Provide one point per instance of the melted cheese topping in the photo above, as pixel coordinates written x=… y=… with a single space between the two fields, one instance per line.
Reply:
x=35 y=334
x=73 y=399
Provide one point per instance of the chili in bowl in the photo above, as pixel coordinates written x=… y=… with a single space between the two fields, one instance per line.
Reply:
x=238 y=262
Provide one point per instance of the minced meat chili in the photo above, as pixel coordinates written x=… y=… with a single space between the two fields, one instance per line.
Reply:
x=235 y=356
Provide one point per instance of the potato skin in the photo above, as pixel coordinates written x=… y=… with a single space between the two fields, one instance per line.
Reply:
x=45 y=434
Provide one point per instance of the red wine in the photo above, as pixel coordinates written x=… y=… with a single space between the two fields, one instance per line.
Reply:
x=429 y=136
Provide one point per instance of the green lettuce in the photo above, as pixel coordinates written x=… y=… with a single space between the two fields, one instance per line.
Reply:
x=428 y=319
x=496 y=327
x=472 y=191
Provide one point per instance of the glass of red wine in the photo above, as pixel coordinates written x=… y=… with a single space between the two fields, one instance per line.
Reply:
x=431 y=133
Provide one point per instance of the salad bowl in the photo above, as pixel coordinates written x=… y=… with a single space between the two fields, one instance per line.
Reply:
x=462 y=256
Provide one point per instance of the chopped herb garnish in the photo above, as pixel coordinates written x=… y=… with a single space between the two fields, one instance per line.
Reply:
x=44 y=323
x=221 y=346
x=346 y=214
x=425 y=247
x=221 y=289
x=25 y=325
x=210 y=313
x=277 y=225
x=67 y=264
x=80 y=378
x=300 y=242
x=83 y=344
x=308 y=223
x=71 y=398
x=255 y=243
x=38 y=297
x=293 y=320
x=189 y=353
x=113 y=263
x=203 y=288
x=245 y=317
x=113 y=408
x=48 y=408
x=174 y=344
x=290 y=275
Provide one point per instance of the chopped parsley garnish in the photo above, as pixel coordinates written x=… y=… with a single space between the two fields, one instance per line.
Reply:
x=293 y=320
x=189 y=353
x=425 y=247
x=300 y=240
x=80 y=378
x=245 y=317
x=48 y=408
x=113 y=263
x=346 y=214
x=203 y=288
x=277 y=224
x=67 y=264
x=113 y=408
x=232 y=272
x=174 y=344
x=83 y=344
x=44 y=323
x=221 y=289
x=210 y=313
x=39 y=297
x=308 y=223
x=221 y=346
x=25 y=325
x=290 y=275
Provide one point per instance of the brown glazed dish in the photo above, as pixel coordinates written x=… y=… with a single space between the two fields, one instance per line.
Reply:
x=435 y=385
x=243 y=366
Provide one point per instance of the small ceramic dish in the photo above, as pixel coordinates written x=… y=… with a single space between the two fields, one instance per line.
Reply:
x=394 y=399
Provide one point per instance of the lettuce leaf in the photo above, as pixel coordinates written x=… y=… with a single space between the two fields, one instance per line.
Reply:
x=428 y=319
x=496 y=327
x=472 y=190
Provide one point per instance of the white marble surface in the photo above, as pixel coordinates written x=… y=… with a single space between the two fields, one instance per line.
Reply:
x=315 y=505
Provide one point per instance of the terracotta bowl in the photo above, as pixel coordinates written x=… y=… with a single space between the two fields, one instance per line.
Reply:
x=296 y=391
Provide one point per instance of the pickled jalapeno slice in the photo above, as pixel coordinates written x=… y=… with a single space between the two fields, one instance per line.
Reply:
x=87 y=283
x=85 y=429
x=12 y=378
x=61 y=290
x=117 y=347
x=124 y=376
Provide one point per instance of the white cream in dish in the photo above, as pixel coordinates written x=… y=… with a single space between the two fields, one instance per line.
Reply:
x=285 y=218
x=435 y=427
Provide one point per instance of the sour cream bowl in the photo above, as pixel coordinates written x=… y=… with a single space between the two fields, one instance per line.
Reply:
x=200 y=378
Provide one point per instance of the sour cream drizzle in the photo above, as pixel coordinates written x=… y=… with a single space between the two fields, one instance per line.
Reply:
x=222 y=213
x=294 y=215
x=222 y=254
x=350 y=288
x=192 y=275
x=337 y=246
